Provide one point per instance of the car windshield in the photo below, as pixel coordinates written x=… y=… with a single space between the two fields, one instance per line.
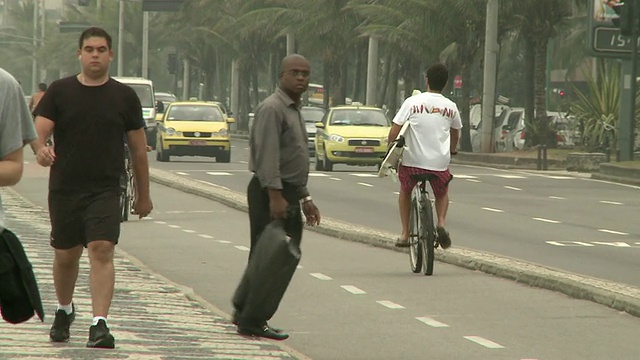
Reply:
x=312 y=115
x=144 y=94
x=195 y=113
x=359 y=117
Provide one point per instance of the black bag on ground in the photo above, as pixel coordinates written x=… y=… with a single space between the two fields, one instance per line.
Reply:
x=268 y=274
x=19 y=295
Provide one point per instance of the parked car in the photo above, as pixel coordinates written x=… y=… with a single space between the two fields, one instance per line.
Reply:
x=352 y=135
x=194 y=128
x=312 y=115
x=565 y=129
x=507 y=120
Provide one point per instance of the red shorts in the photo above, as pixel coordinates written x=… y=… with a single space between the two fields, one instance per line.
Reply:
x=439 y=184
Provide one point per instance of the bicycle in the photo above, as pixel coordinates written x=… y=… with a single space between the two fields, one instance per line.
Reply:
x=127 y=187
x=423 y=238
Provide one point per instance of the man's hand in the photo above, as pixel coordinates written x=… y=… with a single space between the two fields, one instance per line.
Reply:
x=311 y=212
x=45 y=156
x=142 y=207
x=278 y=207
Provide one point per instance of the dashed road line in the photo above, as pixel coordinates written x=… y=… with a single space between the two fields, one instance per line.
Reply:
x=241 y=247
x=205 y=236
x=218 y=173
x=315 y=174
x=512 y=188
x=465 y=177
x=615 y=243
x=320 y=276
x=612 y=232
x=354 y=290
x=557 y=198
x=224 y=241
x=182 y=173
x=335 y=179
x=484 y=342
x=431 y=322
x=511 y=176
x=610 y=202
x=390 y=304
x=492 y=209
x=396 y=193
x=569 y=243
x=473 y=180
x=160 y=222
x=365 y=184
x=365 y=175
x=174 y=226
x=189 y=231
x=546 y=220
x=243 y=162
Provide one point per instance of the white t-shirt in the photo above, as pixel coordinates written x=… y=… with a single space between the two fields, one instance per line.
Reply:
x=431 y=117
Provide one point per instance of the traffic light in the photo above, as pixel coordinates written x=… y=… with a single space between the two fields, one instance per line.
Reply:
x=172 y=63
x=627 y=16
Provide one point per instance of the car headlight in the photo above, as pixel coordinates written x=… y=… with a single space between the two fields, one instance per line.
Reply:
x=384 y=141
x=170 y=131
x=222 y=132
x=336 y=138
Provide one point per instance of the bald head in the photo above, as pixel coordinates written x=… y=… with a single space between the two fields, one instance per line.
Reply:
x=294 y=75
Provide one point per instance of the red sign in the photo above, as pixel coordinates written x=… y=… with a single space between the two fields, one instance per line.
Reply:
x=457 y=82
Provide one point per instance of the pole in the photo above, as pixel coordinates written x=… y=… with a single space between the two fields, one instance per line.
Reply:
x=372 y=72
x=120 y=37
x=145 y=44
x=185 y=80
x=490 y=69
x=291 y=44
x=43 y=69
x=34 y=53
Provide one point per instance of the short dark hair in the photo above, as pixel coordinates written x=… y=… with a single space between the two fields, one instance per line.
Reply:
x=437 y=77
x=42 y=87
x=94 y=32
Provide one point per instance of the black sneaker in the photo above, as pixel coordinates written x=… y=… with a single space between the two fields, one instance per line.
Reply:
x=100 y=337
x=60 y=329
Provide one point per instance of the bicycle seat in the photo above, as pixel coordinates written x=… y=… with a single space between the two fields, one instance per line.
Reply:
x=423 y=177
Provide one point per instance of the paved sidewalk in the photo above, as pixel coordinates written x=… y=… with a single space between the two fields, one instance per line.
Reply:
x=150 y=317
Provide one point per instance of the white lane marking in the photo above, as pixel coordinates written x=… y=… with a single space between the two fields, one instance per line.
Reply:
x=511 y=176
x=205 y=236
x=473 y=180
x=431 y=322
x=568 y=243
x=364 y=175
x=396 y=193
x=243 y=162
x=365 y=184
x=512 y=188
x=189 y=231
x=491 y=209
x=465 y=177
x=181 y=173
x=318 y=175
x=320 y=276
x=557 y=177
x=218 y=173
x=557 y=198
x=147 y=218
x=616 y=244
x=189 y=212
x=243 y=248
x=610 y=202
x=612 y=232
x=354 y=290
x=484 y=342
x=335 y=178
x=175 y=226
x=224 y=242
x=546 y=220
x=160 y=222
x=212 y=184
x=246 y=148
x=299 y=267
x=390 y=304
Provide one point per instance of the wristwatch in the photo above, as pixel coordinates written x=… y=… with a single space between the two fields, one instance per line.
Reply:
x=306 y=199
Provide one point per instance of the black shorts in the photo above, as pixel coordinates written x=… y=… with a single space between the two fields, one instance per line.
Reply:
x=79 y=218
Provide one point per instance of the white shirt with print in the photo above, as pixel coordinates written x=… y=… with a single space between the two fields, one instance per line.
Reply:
x=431 y=117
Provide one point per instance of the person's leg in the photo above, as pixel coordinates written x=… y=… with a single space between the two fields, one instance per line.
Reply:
x=102 y=220
x=66 y=238
x=404 y=203
x=259 y=211
x=440 y=186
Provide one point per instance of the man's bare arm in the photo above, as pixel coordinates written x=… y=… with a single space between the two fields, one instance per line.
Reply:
x=11 y=167
x=137 y=142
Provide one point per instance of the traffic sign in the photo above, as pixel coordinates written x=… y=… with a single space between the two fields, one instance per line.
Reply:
x=457 y=82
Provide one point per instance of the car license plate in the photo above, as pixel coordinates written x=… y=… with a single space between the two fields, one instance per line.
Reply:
x=197 y=142
x=364 y=149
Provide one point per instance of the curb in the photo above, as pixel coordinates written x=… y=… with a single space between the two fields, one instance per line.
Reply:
x=617 y=179
x=614 y=295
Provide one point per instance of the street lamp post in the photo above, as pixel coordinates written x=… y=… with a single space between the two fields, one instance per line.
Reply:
x=120 y=37
x=34 y=61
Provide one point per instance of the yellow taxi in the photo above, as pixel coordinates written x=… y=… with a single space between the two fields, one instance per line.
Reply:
x=194 y=128
x=352 y=135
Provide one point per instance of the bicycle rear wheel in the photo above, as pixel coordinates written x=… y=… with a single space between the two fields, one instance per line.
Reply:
x=415 y=244
x=428 y=235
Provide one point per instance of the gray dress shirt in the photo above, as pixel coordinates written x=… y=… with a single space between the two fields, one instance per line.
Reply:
x=278 y=144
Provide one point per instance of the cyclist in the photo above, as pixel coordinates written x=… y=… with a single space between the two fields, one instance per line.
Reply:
x=431 y=139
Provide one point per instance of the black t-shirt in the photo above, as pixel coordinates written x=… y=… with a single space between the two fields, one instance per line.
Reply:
x=91 y=123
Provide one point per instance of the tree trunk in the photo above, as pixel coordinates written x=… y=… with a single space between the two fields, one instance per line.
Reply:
x=357 y=76
x=529 y=88
x=465 y=138
x=392 y=83
x=326 y=86
x=384 y=79
x=543 y=131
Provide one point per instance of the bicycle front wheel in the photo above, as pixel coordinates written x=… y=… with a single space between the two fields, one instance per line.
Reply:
x=427 y=235
x=415 y=244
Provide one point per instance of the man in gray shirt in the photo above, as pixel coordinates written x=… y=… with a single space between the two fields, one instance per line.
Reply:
x=16 y=131
x=279 y=160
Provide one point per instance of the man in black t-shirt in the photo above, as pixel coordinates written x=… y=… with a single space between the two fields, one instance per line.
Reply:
x=90 y=115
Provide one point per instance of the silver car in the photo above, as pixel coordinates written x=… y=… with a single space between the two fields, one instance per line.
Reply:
x=311 y=115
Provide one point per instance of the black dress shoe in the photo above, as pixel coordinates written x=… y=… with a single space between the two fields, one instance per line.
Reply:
x=234 y=321
x=262 y=331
